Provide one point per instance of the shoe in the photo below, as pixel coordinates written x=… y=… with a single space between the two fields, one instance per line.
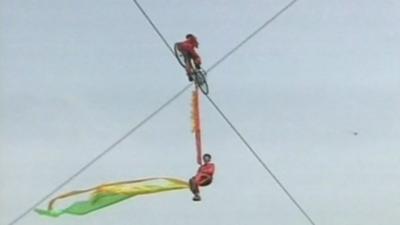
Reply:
x=197 y=198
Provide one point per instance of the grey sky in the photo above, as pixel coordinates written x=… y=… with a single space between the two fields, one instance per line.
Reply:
x=77 y=75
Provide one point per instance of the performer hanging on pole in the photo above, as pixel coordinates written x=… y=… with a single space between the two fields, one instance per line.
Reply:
x=203 y=177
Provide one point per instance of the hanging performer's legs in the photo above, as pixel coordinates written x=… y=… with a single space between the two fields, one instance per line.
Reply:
x=195 y=189
x=196 y=181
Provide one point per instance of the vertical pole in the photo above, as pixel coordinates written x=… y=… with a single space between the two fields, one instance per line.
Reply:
x=197 y=127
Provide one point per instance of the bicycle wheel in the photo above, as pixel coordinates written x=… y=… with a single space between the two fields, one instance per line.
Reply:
x=201 y=81
x=179 y=56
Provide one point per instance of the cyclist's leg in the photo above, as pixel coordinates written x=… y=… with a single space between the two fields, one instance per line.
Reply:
x=186 y=57
x=195 y=57
x=189 y=69
x=197 y=62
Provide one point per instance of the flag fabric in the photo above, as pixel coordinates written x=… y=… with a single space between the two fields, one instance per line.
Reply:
x=82 y=202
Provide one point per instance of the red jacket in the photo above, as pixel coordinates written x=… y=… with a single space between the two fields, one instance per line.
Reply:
x=188 y=47
x=208 y=169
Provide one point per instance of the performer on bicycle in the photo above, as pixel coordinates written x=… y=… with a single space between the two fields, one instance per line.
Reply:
x=188 y=49
x=203 y=177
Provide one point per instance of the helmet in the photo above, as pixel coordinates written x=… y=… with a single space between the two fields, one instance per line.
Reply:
x=192 y=39
x=190 y=36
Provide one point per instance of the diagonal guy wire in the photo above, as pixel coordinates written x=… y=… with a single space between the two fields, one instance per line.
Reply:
x=99 y=156
x=268 y=22
x=259 y=159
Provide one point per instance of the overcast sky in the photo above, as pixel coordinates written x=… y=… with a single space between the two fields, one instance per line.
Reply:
x=75 y=76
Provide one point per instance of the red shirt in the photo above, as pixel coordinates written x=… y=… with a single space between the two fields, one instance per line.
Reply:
x=191 y=42
x=188 y=46
x=208 y=169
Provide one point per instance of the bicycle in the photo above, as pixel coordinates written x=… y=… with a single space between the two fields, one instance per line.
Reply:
x=199 y=74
